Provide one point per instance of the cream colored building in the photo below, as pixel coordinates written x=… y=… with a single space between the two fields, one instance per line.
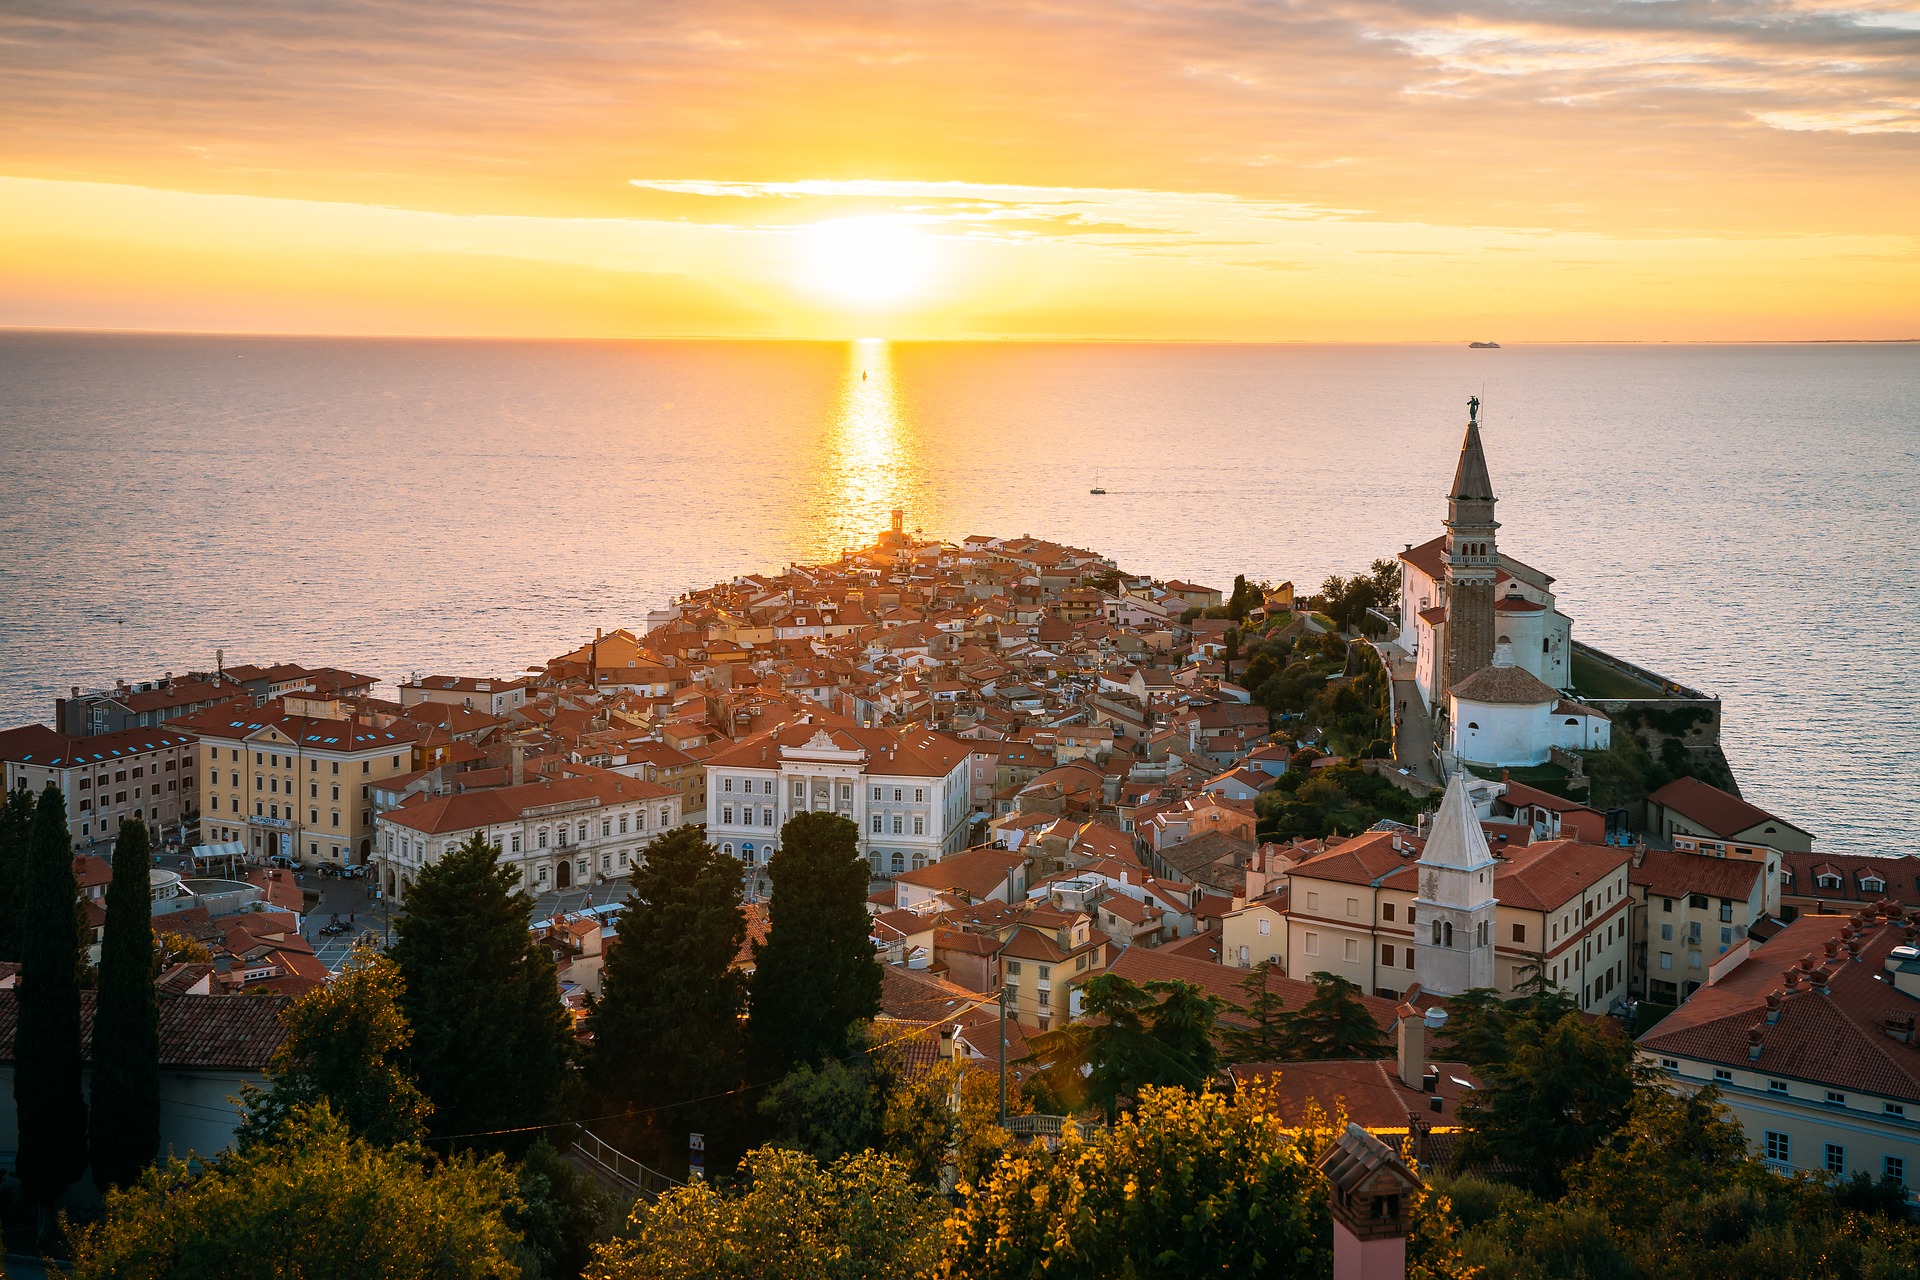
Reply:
x=1813 y=1041
x=573 y=832
x=146 y=774
x=294 y=786
x=1365 y=910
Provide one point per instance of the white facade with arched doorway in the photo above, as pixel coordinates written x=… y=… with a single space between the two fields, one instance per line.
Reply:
x=576 y=832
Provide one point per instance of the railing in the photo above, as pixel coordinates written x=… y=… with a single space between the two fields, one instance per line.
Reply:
x=1051 y=1128
x=621 y=1167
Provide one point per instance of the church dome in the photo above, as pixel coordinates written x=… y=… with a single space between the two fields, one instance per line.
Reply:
x=1505 y=686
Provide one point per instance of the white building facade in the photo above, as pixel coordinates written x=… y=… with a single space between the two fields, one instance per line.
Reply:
x=907 y=793
x=571 y=833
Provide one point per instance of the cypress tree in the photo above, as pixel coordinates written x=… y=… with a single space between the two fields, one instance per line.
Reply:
x=490 y=1036
x=125 y=1133
x=16 y=834
x=46 y=1050
x=667 y=1029
x=816 y=982
x=1334 y=1023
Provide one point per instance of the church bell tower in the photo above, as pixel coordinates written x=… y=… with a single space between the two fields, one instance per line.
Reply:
x=1472 y=562
x=1454 y=913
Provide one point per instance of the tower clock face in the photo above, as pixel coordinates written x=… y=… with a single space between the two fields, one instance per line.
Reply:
x=1430 y=886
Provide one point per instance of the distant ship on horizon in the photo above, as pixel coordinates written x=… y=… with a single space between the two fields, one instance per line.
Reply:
x=1483 y=345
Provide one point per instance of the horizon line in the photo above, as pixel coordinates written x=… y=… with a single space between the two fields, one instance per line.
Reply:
x=989 y=339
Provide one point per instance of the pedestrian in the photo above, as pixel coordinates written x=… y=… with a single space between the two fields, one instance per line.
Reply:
x=349 y=917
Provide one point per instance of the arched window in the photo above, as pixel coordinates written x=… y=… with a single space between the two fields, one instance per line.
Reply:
x=899 y=861
x=919 y=861
x=1473 y=724
x=727 y=848
x=1436 y=933
x=1572 y=721
x=1446 y=934
x=746 y=854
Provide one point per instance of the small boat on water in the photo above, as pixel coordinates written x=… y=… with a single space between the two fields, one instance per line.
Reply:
x=1096 y=489
x=1483 y=346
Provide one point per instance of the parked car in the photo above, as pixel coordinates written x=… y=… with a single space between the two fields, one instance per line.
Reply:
x=282 y=860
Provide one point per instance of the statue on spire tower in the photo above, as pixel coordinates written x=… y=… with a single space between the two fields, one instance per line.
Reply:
x=1473 y=410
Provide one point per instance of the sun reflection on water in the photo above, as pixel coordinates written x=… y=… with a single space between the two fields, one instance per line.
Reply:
x=868 y=467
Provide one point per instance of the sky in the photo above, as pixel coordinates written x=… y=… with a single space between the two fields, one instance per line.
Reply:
x=1239 y=170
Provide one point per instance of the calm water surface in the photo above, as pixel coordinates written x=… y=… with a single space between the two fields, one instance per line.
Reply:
x=1739 y=518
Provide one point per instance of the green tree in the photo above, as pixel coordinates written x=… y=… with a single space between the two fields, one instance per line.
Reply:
x=315 y=1202
x=1131 y=1036
x=830 y=1110
x=666 y=1029
x=490 y=1039
x=816 y=983
x=1186 y=1185
x=346 y=1042
x=125 y=1131
x=47 y=1051
x=1333 y=1024
x=1261 y=1033
x=1551 y=1100
x=946 y=1119
x=16 y=838
x=1242 y=599
x=562 y=1213
x=1672 y=1148
x=859 y=1218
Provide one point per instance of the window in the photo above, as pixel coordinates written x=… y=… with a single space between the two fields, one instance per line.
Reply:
x=766 y=817
x=1894 y=1169
x=1353 y=906
x=623 y=823
x=1352 y=951
x=1312 y=944
x=1670 y=1064
x=1722 y=1076
x=876 y=824
x=1779 y=1146
x=726 y=815
x=606 y=826
x=1386 y=912
x=1836 y=1159
x=1666 y=933
x=1266 y=926
x=1836 y=1099
x=726 y=784
x=1666 y=904
x=876 y=793
x=1386 y=954
x=1776 y=1086
x=897 y=824
x=919 y=826
x=1519 y=933
x=1313 y=901
x=516 y=844
x=1013 y=968
x=542 y=838
x=799 y=789
x=1894 y=1109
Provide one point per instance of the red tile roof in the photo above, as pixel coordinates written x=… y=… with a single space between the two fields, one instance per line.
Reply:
x=1370 y=1090
x=1667 y=874
x=1722 y=814
x=233 y=1033
x=1837 y=1039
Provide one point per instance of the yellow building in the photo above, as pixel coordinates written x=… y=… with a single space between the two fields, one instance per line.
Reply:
x=298 y=787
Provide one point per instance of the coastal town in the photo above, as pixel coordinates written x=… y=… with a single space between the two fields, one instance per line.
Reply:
x=1405 y=787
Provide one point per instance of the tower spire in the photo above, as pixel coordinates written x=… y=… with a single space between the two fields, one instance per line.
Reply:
x=1470 y=478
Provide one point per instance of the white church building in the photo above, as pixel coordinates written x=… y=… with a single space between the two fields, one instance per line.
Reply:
x=1492 y=653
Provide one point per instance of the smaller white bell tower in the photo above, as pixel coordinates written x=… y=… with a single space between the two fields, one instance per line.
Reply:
x=1454 y=911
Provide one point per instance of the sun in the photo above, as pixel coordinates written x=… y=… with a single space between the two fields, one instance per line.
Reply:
x=866 y=262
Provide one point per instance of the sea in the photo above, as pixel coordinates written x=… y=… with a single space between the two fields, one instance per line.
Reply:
x=1740 y=519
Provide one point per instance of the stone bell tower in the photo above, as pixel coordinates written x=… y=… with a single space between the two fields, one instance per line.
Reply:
x=1472 y=563
x=1454 y=913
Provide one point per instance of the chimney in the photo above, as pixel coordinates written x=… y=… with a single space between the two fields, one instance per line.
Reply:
x=1412 y=1030
x=517 y=765
x=1774 y=999
x=1753 y=1044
